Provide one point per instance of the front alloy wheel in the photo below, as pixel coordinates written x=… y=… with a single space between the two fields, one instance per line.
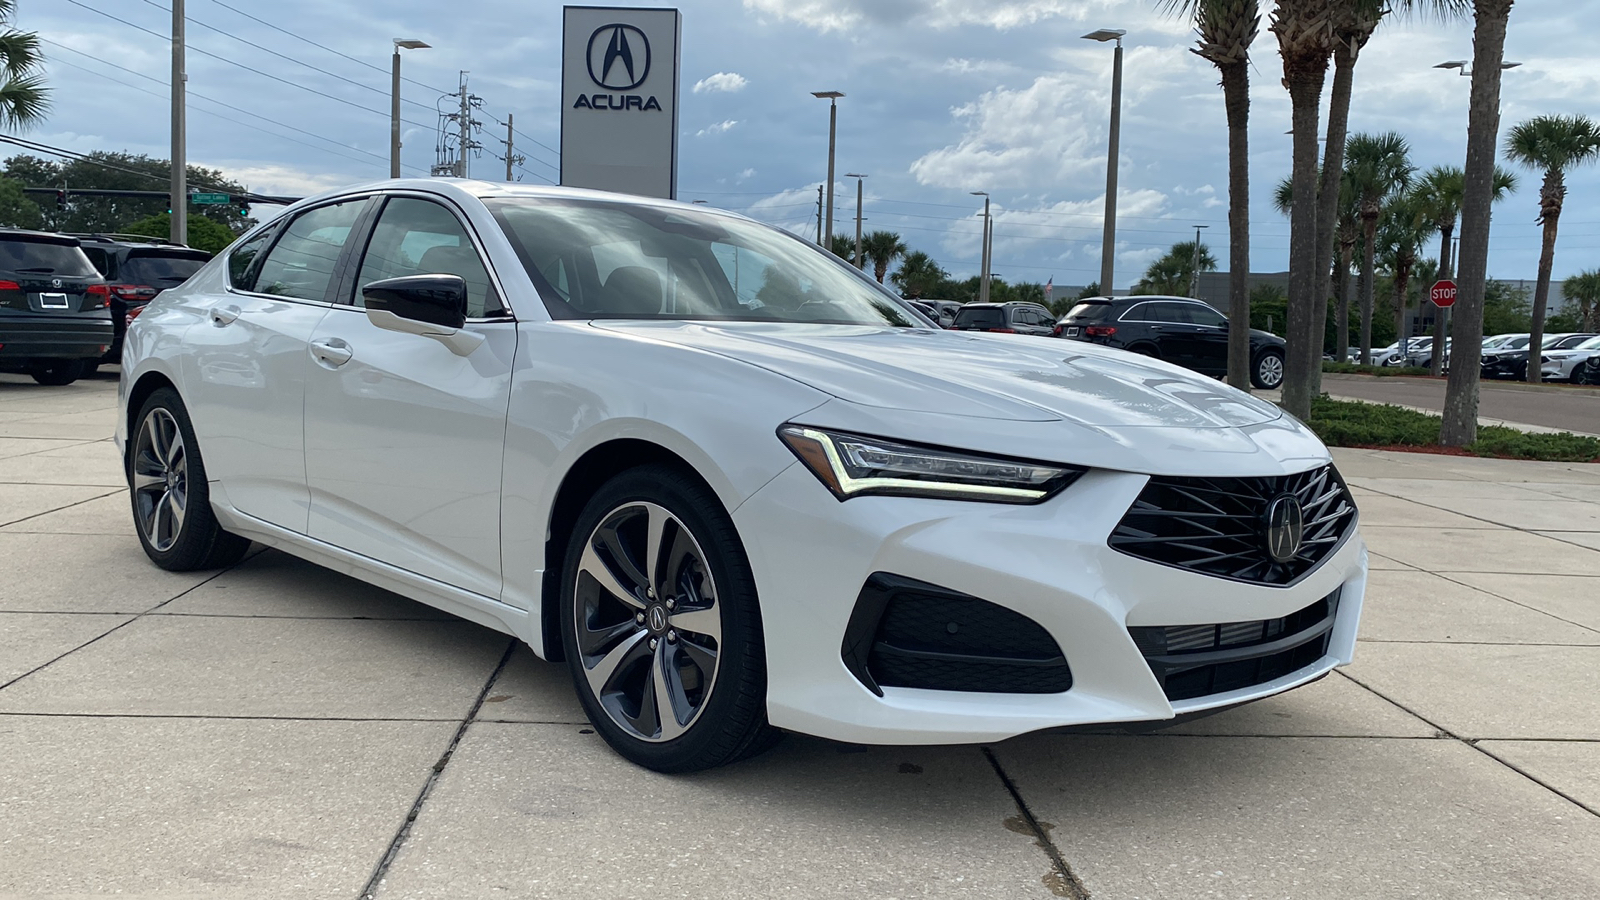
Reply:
x=648 y=628
x=660 y=625
x=1268 y=372
x=160 y=479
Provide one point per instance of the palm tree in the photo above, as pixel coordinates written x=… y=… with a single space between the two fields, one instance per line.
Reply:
x=1173 y=273
x=1226 y=28
x=24 y=99
x=1406 y=224
x=1347 y=229
x=844 y=247
x=1378 y=166
x=883 y=248
x=918 y=274
x=1554 y=144
x=1584 y=289
x=1305 y=31
x=1440 y=190
x=1491 y=18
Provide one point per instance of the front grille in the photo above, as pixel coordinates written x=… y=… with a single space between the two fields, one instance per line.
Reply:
x=1217 y=526
x=1199 y=660
x=907 y=633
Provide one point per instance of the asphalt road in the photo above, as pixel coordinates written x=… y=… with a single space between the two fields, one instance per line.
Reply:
x=1552 y=406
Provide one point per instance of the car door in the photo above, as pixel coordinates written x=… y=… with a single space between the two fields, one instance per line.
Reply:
x=248 y=361
x=1208 y=341
x=404 y=437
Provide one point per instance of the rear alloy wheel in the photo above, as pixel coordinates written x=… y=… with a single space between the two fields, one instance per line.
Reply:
x=1267 y=373
x=57 y=372
x=171 y=498
x=660 y=626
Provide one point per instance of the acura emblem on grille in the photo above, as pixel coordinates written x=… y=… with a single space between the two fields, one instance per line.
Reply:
x=1285 y=527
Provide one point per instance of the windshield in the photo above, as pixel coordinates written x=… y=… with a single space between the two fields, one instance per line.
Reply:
x=595 y=259
x=1591 y=344
x=44 y=258
x=158 y=270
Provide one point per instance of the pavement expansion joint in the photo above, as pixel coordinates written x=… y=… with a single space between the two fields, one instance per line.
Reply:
x=1061 y=880
x=109 y=492
x=370 y=890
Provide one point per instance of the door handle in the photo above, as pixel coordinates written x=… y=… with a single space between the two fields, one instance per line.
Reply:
x=332 y=352
x=224 y=315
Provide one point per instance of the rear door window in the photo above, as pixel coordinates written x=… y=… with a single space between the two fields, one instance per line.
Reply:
x=420 y=237
x=1205 y=315
x=300 y=264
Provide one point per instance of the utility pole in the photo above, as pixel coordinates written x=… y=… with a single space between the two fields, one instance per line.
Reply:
x=1108 y=243
x=859 y=179
x=819 y=215
x=179 y=198
x=394 y=101
x=510 y=158
x=465 y=123
x=1194 y=274
x=983 y=274
x=833 y=131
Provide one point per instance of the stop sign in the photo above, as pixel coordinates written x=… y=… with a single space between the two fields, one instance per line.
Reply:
x=1443 y=294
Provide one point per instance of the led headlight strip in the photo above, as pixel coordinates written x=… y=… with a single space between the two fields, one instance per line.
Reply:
x=852 y=465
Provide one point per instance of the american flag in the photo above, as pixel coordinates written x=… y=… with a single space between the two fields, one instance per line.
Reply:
x=1049 y=288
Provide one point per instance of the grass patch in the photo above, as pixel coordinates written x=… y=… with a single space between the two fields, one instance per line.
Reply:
x=1345 y=423
x=1339 y=368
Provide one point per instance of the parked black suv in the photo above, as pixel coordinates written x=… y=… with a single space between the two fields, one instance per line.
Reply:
x=137 y=268
x=54 y=307
x=1179 y=330
x=1008 y=318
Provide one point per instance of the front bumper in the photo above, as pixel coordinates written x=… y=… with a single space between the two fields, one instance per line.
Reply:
x=811 y=555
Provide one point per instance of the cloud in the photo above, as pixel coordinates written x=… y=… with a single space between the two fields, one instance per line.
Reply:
x=1067 y=230
x=1035 y=137
x=266 y=178
x=842 y=15
x=722 y=82
x=745 y=175
x=719 y=128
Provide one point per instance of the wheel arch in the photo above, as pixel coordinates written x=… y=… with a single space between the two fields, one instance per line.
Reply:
x=147 y=384
x=594 y=468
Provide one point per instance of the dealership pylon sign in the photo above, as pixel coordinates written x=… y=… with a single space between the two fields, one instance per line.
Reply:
x=619 y=99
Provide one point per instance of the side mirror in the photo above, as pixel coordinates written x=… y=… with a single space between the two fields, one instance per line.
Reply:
x=433 y=299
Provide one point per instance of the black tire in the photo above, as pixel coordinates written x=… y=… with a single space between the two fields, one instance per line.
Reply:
x=728 y=722
x=1266 y=373
x=57 y=372
x=196 y=540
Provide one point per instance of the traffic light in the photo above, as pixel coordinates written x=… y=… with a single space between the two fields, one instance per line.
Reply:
x=61 y=199
x=244 y=209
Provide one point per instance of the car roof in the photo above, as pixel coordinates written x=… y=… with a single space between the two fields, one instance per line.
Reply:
x=37 y=237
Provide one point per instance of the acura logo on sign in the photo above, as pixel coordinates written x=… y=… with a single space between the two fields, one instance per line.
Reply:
x=619 y=57
x=1286 y=524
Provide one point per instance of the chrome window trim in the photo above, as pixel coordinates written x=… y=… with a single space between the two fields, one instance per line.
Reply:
x=509 y=315
x=227 y=279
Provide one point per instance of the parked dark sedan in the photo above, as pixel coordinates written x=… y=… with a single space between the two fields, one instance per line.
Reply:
x=54 y=307
x=1179 y=330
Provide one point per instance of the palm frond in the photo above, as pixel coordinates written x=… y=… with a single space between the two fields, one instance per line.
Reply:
x=23 y=101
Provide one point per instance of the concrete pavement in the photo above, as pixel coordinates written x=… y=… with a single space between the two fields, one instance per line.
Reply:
x=280 y=731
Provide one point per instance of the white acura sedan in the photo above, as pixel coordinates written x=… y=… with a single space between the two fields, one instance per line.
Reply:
x=732 y=482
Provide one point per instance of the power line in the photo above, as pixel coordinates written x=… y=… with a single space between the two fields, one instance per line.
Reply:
x=365 y=87
x=307 y=40
x=518 y=131
x=240 y=65
x=222 y=104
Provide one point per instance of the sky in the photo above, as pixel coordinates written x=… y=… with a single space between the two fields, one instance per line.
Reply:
x=943 y=97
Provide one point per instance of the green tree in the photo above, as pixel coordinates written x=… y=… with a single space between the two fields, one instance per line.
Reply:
x=844 y=247
x=1507 y=309
x=1554 y=144
x=1379 y=168
x=204 y=234
x=883 y=248
x=1583 y=289
x=1173 y=274
x=121 y=171
x=1440 y=190
x=24 y=98
x=920 y=276
x=1491 y=19
x=1226 y=29
x=1092 y=289
x=17 y=210
x=1406 y=224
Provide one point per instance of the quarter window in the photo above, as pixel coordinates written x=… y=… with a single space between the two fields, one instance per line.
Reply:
x=1205 y=315
x=243 y=258
x=420 y=237
x=300 y=264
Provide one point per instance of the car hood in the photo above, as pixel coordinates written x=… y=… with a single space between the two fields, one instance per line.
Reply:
x=1013 y=378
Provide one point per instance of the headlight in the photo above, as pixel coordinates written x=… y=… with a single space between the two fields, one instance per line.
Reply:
x=852 y=465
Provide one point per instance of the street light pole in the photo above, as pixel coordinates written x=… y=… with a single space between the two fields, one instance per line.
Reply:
x=1108 y=241
x=988 y=236
x=1194 y=276
x=858 y=179
x=394 y=104
x=833 y=131
x=179 y=198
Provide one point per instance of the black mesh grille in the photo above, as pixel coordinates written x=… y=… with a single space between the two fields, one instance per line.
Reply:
x=907 y=633
x=1199 y=660
x=1218 y=525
